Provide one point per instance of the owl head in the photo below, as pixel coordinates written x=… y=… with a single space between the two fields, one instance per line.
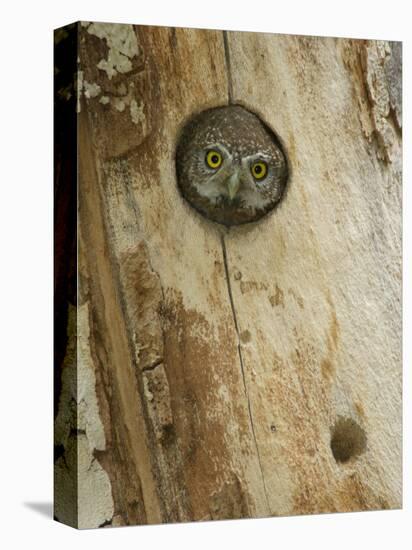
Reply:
x=230 y=165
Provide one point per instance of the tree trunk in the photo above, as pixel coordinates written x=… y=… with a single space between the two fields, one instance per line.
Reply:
x=205 y=372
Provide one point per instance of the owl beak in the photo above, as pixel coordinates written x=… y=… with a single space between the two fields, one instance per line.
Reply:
x=233 y=184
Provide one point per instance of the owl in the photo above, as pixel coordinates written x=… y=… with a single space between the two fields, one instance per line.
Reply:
x=230 y=166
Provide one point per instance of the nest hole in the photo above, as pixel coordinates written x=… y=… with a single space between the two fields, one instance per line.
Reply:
x=348 y=439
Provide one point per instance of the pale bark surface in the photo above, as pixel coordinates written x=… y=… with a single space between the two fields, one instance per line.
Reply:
x=234 y=373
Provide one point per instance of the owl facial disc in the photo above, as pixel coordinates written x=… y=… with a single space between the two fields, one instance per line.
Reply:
x=230 y=166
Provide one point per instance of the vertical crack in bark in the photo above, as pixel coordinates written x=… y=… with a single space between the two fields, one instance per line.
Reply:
x=228 y=67
x=242 y=368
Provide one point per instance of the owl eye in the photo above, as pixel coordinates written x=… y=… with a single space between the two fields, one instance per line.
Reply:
x=213 y=159
x=259 y=170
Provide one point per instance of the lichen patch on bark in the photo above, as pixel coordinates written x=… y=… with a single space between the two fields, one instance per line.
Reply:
x=122 y=46
x=88 y=418
x=79 y=432
x=94 y=483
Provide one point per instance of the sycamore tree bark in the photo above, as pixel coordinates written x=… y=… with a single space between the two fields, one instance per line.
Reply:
x=206 y=373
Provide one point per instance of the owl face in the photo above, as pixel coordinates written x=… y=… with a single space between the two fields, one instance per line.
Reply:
x=230 y=166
